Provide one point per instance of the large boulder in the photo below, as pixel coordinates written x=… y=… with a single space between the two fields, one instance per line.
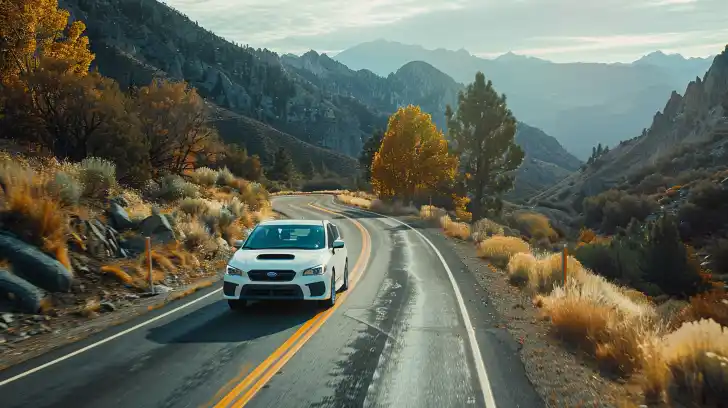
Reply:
x=31 y=264
x=27 y=297
x=119 y=218
x=157 y=227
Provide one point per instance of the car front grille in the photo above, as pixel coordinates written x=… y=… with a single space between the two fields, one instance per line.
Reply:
x=262 y=276
x=271 y=292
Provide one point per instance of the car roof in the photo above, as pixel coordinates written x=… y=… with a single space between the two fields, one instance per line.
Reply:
x=292 y=222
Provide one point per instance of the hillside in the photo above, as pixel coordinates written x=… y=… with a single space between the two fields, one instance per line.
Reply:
x=416 y=83
x=545 y=164
x=686 y=139
x=134 y=40
x=564 y=100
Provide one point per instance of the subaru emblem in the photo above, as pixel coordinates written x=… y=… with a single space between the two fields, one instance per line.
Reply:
x=271 y=274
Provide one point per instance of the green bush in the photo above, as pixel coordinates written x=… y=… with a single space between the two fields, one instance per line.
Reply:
x=225 y=177
x=98 y=177
x=718 y=251
x=322 y=185
x=204 y=176
x=69 y=189
x=174 y=187
x=613 y=209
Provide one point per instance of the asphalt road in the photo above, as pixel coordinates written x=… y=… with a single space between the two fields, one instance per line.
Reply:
x=397 y=338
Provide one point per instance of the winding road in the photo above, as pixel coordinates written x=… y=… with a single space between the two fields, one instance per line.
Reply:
x=412 y=331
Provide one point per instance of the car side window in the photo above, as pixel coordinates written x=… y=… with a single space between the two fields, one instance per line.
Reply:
x=337 y=232
x=330 y=233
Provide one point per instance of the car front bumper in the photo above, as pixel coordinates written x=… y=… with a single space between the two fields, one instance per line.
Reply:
x=302 y=288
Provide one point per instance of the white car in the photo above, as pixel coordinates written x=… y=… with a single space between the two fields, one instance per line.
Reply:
x=288 y=259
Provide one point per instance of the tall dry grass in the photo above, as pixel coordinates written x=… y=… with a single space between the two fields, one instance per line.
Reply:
x=499 y=250
x=455 y=229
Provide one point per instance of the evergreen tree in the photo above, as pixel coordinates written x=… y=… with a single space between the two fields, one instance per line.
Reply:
x=307 y=169
x=282 y=169
x=371 y=146
x=482 y=133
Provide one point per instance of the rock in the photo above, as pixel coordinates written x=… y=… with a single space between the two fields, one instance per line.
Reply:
x=157 y=226
x=2 y=339
x=135 y=244
x=41 y=318
x=31 y=264
x=131 y=296
x=119 y=218
x=162 y=289
x=27 y=297
x=108 y=306
x=7 y=318
x=120 y=201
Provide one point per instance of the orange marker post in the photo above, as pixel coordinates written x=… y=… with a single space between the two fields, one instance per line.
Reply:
x=149 y=263
x=563 y=262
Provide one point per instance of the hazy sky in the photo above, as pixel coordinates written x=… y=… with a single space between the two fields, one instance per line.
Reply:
x=558 y=30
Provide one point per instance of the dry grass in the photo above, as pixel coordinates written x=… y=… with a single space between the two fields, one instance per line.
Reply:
x=393 y=208
x=690 y=365
x=188 y=291
x=432 y=213
x=499 y=250
x=30 y=211
x=535 y=225
x=355 y=201
x=596 y=316
x=520 y=267
x=204 y=176
x=455 y=229
x=549 y=271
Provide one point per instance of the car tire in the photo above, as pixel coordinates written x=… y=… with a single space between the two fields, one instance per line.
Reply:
x=345 y=285
x=331 y=301
x=237 y=304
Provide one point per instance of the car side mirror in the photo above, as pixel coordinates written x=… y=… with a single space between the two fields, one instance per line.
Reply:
x=338 y=244
x=238 y=243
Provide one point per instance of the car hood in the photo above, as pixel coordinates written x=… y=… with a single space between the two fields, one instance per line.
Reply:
x=247 y=259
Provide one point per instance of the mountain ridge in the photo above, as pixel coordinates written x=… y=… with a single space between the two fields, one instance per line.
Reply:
x=543 y=93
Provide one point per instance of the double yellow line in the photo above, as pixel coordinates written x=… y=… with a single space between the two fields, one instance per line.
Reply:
x=242 y=393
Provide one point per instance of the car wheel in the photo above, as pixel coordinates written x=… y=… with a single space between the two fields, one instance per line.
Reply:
x=345 y=285
x=331 y=301
x=237 y=305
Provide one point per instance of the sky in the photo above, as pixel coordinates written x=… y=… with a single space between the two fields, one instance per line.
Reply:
x=557 y=30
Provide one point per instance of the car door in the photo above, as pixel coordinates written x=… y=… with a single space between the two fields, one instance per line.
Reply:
x=336 y=256
x=341 y=253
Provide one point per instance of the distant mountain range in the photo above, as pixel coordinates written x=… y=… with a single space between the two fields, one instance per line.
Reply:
x=581 y=104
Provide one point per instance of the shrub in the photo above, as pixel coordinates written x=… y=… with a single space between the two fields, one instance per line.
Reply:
x=194 y=206
x=236 y=207
x=455 y=229
x=536 y=226
x=432 y=213
x=68 y=189
x=486 y=228
x=204 y=176
x=225 y=177
x=499 y=250
x=587 y=236
x=549 y=271
x=31 y=212
x=355 y=201
x=612 y=209
x=709 y=305
x=690 y=365
x=520 y=267
x=98 y=177
x=719 y=256
x=173 y=187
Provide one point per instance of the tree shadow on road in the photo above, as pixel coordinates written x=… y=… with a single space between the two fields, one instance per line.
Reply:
x=215 y=323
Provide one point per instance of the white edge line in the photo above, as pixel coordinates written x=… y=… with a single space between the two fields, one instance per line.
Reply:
x=108 y=339
x=474 y=348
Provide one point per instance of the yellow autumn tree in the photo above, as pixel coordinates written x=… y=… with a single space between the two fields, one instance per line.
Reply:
x=174 y=123
x=413 y=156
x=32 y=30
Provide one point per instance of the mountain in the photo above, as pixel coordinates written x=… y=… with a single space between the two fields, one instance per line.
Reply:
x=416 y=83
x=546 y=162
x=581 y=104
x=135 y=41
x=686 y=139
x=419 y=83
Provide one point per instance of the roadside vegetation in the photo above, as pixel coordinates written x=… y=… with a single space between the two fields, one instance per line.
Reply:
x=637 y=299
x=88 y=171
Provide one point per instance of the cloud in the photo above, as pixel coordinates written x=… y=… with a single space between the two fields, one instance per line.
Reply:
x=259 y=22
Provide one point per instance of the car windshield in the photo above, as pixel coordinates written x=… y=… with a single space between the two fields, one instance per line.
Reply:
x=286 y=237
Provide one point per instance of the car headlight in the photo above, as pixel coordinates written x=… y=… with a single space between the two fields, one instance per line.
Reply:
x=233 y=271
x=316 y=270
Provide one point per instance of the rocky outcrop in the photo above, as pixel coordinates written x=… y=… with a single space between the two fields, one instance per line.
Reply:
x=31 y=264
